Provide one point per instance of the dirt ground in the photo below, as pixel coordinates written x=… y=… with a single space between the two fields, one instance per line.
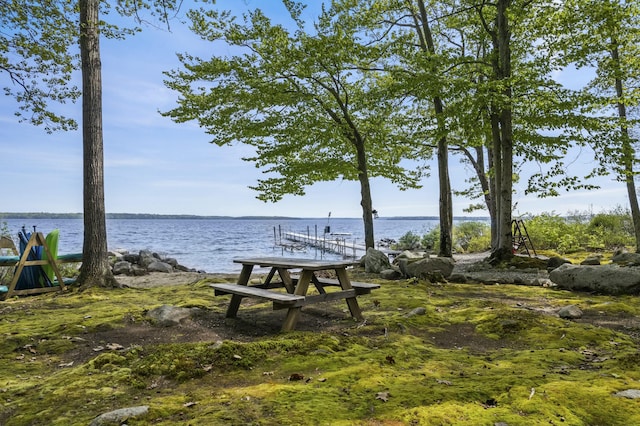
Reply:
x=212 y=326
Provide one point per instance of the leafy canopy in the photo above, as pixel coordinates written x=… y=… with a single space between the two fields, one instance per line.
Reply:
x=309 y=103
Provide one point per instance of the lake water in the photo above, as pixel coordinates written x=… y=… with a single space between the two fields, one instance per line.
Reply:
x=212 y=244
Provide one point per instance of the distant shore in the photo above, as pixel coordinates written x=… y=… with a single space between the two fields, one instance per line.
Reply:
x=43 y=215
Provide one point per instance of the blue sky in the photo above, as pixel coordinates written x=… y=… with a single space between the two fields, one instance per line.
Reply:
x=153 y=165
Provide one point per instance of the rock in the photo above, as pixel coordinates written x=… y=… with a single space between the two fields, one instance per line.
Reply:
x=159 y=266
x=417 y=311
x=118 y=417
x=570 y=312
x=629 y=393
x=121 y=268
x=171 y=261
x=604 y=279
x=182 y=268
x=167 y=315
x=555 y=262
x=375 y=261
x=626 y=259
x=390 y=274
x=432 y=268
x=410 y=255
x=138 y=271
x=146 y=258
x=131 y=258
x=592 y=260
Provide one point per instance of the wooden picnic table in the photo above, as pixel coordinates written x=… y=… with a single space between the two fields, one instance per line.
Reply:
x=297 y=286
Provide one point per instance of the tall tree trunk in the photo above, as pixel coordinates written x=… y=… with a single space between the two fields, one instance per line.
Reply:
x=502 y=128
x=95 y=266
x=628 y=153
x=365 y=193
x=486 y=182
x=446 y=204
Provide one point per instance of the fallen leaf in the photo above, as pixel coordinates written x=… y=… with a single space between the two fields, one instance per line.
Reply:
x=65 y=364
x=98 y=348
x=383 y=396
x=189 y=404
x=236 y=356
x=322 y=379
x=114 y=346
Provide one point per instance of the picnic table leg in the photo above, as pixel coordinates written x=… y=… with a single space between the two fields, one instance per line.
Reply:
x=301 y=290
x=352 y=302
x=286 y=280
x=243 y=279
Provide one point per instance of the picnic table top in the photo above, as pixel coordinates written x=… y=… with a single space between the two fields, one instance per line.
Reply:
x=293 y=263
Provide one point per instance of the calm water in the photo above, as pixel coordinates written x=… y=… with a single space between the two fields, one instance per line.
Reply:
x=212 y=244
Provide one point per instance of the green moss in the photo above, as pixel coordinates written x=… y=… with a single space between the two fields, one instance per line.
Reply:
x=517 y=362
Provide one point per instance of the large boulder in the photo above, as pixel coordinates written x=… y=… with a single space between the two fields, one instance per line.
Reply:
x=376 y=261
x=159 y=266
x=121 y=268
x=604 y=279
x=428 y=267
x=626 y=259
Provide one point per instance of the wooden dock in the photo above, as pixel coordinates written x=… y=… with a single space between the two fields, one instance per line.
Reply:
x=327 y=242
x=334 y=243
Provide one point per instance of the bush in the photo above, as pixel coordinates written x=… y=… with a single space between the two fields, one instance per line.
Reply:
x=408 y=241
x=549 y=231
x=431 y=240
x=472 y=236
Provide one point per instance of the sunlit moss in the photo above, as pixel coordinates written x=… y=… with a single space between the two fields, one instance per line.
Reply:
x=517 y=362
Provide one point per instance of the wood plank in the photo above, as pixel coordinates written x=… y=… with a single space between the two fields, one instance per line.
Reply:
x=259 y=293
x=360 y=287
x=294 y=263
x=326 y=297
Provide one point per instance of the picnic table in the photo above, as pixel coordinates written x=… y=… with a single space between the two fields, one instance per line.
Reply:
x=296 y=285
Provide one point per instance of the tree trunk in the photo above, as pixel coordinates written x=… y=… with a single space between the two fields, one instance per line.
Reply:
x=502 y=128
x=365 y=194
x=95 y=265
x=446 y=204
x=446 y=207
x=628 y=153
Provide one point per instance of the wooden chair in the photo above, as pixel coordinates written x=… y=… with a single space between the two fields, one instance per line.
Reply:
x=37 y=239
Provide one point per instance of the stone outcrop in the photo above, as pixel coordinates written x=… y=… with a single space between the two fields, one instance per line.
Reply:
x=431 y=268
x=124 y=263
x=375 y=261
x=167 y=315
x=604 y=279
x=408 y=265
x=120 y=416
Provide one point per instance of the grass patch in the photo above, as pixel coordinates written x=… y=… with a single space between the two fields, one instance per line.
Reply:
x=479 y=355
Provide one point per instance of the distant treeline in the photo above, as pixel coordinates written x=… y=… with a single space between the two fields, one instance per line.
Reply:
x=128 y=216
x=188 y=216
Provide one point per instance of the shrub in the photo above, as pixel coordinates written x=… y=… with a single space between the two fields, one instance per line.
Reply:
x=431 y=240
x=408 y=241
x=472 y=236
